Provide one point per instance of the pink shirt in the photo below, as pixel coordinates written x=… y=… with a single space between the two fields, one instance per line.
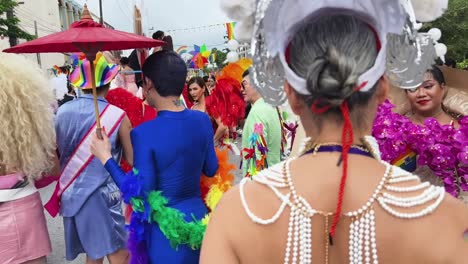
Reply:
x=8 y=181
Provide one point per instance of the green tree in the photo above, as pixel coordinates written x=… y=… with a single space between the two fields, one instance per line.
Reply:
x=454 y=27
x=9 y=23
x=220 y=58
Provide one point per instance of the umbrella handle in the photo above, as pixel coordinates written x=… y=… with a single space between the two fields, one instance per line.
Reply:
x=99 y=133
x=91 y=57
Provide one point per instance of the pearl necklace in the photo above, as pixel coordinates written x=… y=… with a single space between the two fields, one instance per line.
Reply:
x=362 y=243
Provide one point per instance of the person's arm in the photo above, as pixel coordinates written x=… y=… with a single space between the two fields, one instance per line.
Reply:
x=211 y=161
x=143 y=159
x=101 y=149
x=50 y=176
x=220 y=131
x=124 y=137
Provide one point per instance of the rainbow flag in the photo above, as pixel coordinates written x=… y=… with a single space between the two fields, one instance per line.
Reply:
x=230 y=30
x=213 y=57
x=182 y=49
x=406 y=161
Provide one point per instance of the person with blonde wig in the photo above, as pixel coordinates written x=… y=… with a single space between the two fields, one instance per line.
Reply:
x=27 y=153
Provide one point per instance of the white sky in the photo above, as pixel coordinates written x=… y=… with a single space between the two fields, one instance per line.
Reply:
x=166 y=15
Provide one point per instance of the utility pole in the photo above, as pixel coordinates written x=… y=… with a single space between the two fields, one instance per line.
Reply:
x=101 y=20
x=11 y=37
x=37 y=54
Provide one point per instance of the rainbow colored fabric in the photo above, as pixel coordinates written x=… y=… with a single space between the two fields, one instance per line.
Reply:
x=255 y=156
x=230 y=30
x=81 y=75
x=182 y=49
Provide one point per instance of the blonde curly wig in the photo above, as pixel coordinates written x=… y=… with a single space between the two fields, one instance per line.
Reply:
x=27 y=134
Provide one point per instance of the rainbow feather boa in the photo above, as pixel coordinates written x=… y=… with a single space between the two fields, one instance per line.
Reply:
x=152 y=208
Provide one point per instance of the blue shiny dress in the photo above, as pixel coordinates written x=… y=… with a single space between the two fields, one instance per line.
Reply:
x=170 y=153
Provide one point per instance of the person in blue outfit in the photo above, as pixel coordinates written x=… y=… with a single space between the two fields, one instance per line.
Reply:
x=170 y=153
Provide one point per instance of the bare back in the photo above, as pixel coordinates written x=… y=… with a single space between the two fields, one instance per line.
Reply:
x=433 y=238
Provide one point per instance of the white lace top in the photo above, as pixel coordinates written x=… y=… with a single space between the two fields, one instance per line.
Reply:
x=362 y=239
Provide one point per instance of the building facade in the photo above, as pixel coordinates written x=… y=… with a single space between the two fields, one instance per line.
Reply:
x=46 y=17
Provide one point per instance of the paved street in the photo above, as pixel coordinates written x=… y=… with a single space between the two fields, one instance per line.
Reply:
x=55 y=225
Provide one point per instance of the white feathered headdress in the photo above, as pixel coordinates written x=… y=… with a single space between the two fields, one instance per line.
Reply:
x=429 y=10
x=269 y=24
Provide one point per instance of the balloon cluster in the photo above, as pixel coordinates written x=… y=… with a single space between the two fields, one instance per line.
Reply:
x=441 y=49
x=232 y=46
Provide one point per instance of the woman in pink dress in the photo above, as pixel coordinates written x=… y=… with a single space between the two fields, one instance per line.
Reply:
x=27 y=152
x=128 y=76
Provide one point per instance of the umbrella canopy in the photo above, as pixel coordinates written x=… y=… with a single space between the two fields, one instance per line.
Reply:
x=86 y=36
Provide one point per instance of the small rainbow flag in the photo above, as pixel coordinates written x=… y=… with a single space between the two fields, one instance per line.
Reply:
x=406 y=161
x=182 y=49
x=230 y=30
x=213 y=57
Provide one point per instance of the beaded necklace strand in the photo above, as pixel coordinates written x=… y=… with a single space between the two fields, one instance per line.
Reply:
x=362 y=243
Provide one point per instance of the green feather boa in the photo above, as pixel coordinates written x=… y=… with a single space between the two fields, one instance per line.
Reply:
x=171 y=221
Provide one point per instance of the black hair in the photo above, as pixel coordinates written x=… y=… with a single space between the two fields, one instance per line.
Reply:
x=450 y=63
x=437 y=74
x=246 y=73
x=124 y=60
x=70 y=86
x=167 y=70
x=213 y=77
x=134 y=63
x=205 y=78
x=168 y=45
x=98 y=89
x=200 y=82
x=158 y=35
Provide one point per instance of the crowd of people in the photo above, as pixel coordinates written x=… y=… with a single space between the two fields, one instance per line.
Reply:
x=367 y=185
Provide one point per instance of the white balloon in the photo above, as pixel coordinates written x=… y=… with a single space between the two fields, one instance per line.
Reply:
x=233 y=45
x=435 y=34
x=429 y=10
x=441 y=49
x=232 y=56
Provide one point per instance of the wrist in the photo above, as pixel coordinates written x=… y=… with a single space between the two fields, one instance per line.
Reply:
x=105 y=158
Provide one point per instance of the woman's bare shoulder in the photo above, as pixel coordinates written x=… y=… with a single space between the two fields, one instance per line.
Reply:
x=444 y=232
x=430 y=222
x=246 y=199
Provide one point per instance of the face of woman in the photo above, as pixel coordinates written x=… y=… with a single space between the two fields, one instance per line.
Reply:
x=211 y=82
x=428 y=97
x=196 y=91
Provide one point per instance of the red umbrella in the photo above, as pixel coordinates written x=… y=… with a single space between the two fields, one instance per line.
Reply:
x=88 y=37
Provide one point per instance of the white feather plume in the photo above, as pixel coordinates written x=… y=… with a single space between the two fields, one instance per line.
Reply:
x=238 y=9
x=429 y=10
x=59 y=85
